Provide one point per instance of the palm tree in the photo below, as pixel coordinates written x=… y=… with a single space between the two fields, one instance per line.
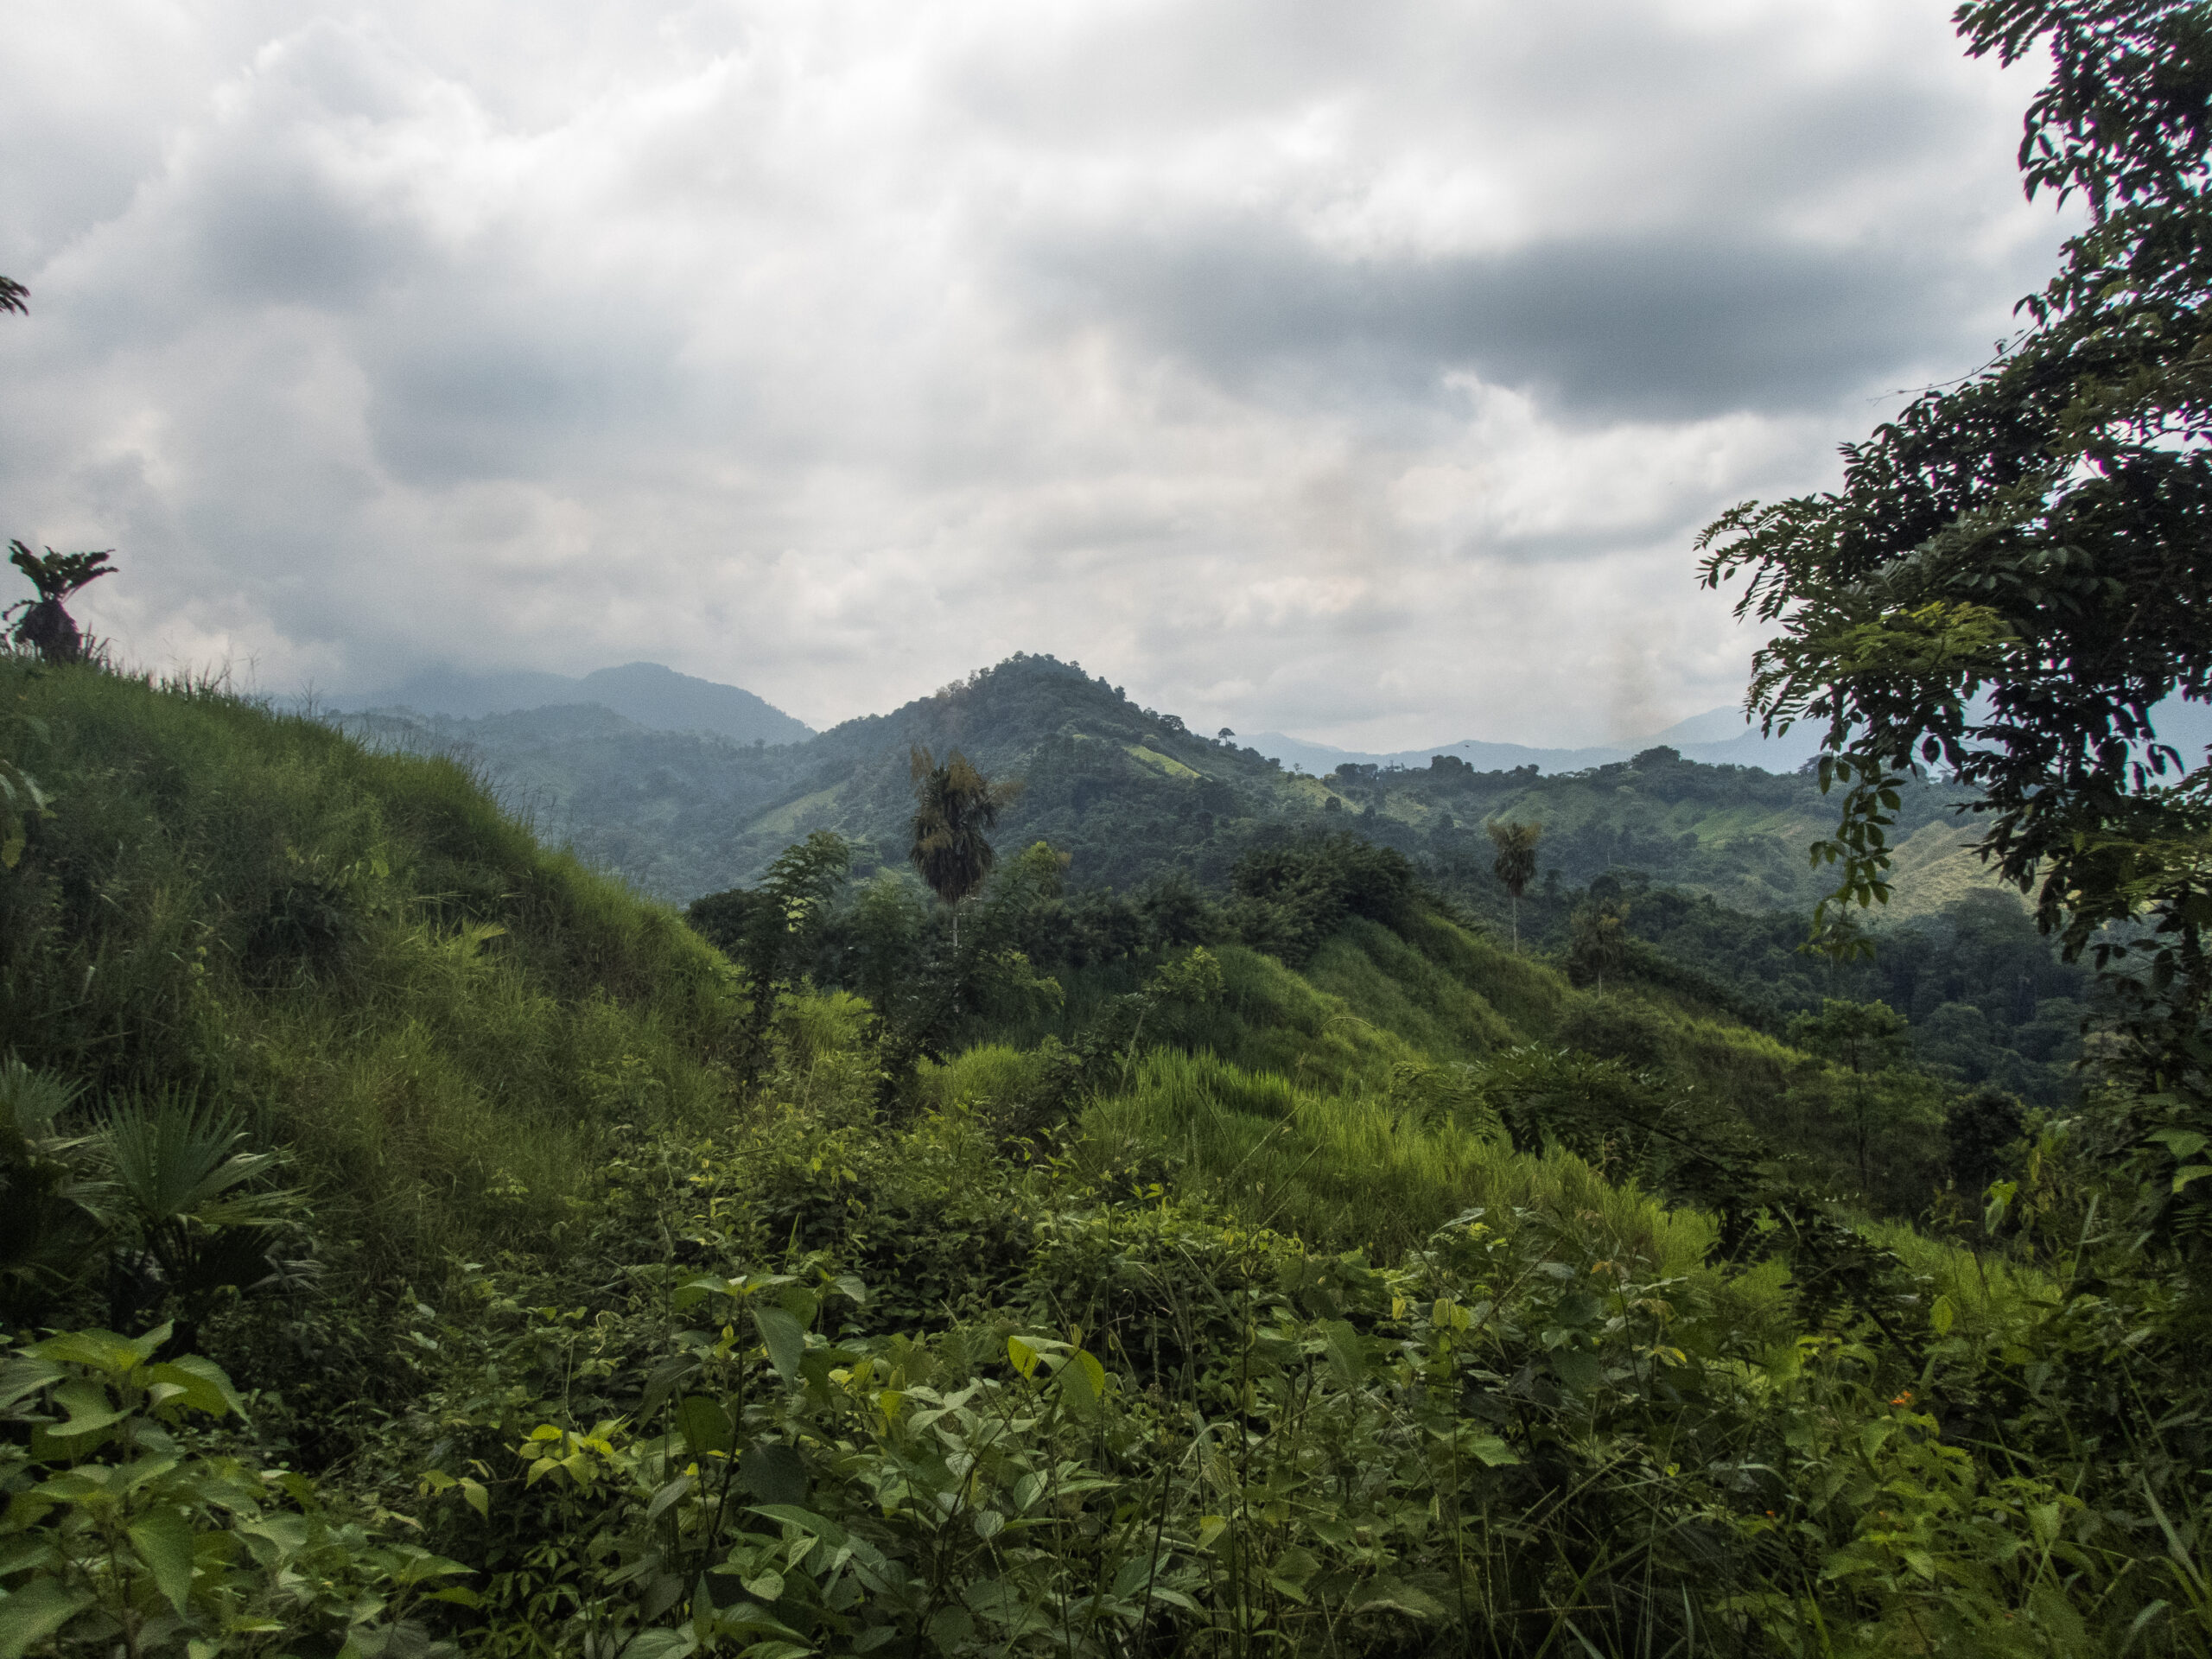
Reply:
x=954 y=804
x=45 y=626
x=201 y=1217
x=1516 y=863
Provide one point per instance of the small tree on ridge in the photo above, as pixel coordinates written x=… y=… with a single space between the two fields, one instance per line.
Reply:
x=1516 y=864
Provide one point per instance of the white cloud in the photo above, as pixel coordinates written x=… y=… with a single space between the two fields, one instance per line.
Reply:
x=1361 y=371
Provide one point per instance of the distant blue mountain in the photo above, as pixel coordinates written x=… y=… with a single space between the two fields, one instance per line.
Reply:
x=647 y=692
x=1719 y=737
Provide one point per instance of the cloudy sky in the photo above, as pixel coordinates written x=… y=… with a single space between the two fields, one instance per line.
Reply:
x=1358 y=370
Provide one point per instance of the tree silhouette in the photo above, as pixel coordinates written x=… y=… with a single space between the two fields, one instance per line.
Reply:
x=44 y=624
x=1516 y=864
x=954 y=804
x=1597 y=943
x=13 y=296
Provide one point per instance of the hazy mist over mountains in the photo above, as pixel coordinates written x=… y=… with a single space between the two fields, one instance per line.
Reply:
x=661 y=699
x=648 y=693
x=1719 y=737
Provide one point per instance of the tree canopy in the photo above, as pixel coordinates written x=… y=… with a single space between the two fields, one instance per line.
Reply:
x=2015 y=570
x=44 y=624
x=954 y=804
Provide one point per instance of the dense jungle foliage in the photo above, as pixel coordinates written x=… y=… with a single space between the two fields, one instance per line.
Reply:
x=415 y=1241
x=1239 y=1213
x=1706 y=861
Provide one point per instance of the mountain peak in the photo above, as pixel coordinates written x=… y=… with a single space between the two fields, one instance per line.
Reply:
x=651 y=694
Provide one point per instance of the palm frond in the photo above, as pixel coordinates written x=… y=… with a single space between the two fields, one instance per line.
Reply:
x=31 y=1099
x=177 y=1158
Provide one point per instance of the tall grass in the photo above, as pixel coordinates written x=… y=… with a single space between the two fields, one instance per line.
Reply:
x=360 y=950
x=1361 y=1169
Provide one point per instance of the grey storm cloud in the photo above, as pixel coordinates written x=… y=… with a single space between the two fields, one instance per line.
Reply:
x=272 y=230
x=527 y=390
x=1664 y=325
x=1368 y=368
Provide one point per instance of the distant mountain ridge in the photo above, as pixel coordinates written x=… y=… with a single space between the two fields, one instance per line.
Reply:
x=1692 y=739
x=654 y=696
x=1128 y=792
x=1719 y=737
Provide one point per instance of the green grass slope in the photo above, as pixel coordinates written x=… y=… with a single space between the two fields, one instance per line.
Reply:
x=357 y=950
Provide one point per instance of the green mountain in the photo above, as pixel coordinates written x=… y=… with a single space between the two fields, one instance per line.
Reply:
x=1127 y=790
x=653 y=697
x=455 y=1251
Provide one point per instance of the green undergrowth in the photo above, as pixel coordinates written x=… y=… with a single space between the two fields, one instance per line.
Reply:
x=359 y=951
x=1417 y=1300
x=1374 y=1170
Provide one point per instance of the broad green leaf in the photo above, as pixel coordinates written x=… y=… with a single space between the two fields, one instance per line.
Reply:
x=89 y=1409
x=21 y=1554
x=163 y=1541
x=1393 y=1593
x=661 y=1645
x=785 y=1337
x=949 y=1627
x=772 y=1472
x=1578 y=1368
x=705 y=1426
x=1492 y=1451
x=2184 y=1144
x=801 y=1304
x=202 y=1384
x=281 y=1536
x=1346 y=1356
x=665 y=1379
x=805 y=1520
x=31 y=1614
x=667 y=1495
x=102 y=1351
x=1021 y=1355
x=1942 y=1315
x=25 y=1375
x=1334 y=1529
x=1082 y=1385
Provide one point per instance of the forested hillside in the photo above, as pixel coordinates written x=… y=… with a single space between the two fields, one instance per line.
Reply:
x=1127 y=790
x=1155 y=1271
x=1066 y=1187
x=1706 y=863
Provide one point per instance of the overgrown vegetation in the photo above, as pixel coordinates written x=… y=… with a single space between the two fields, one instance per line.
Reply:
x=496 y=1264
x=414 y=1244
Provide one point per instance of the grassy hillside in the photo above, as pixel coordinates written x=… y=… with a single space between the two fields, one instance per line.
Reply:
x=1160 y=1296
x=357 y=951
